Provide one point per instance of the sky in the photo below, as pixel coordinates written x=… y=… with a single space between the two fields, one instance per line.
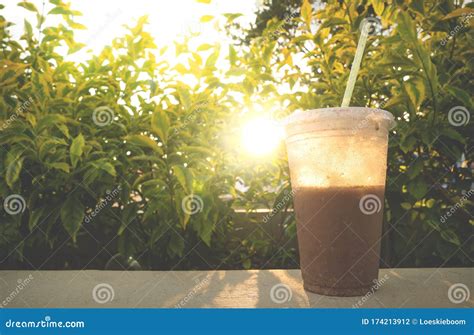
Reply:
x=167 y=18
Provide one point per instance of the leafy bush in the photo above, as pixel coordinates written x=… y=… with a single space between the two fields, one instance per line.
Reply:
x=120 y=154
x=107 y=151
x=415 y=67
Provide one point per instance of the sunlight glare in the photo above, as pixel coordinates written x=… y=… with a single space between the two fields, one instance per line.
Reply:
x=261 y=136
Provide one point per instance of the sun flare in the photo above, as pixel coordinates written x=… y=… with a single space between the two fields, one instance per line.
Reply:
x=261 y=136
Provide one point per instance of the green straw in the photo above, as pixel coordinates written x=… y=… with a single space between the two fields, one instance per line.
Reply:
x=356 y=64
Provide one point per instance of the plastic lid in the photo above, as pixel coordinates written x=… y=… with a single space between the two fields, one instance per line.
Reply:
x=338 y=118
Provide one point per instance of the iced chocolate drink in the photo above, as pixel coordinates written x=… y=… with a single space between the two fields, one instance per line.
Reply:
x=337 y=160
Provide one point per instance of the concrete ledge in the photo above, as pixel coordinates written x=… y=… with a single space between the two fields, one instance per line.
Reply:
x=426 y=288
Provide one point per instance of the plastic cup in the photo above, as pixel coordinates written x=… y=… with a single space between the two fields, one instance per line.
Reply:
x=338 y=160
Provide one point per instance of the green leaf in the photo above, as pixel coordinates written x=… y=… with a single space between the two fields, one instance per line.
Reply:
x=90 y=176
x=60 y=10
x=77 y=149
x=394 y=101
x=405 y=205
x=28 y=29
x=424 y=60
x=333 y=21
x=198 y=150
x=212 y=59
x=184 y=177
x=434 y=225
x=185 y=219
x=415 y=168
x=50 y=120
x=416 y=5
x=60 y=166
x=232 y=16
x=459 y=12
x=76 y=25
x=28 y=5
x=158 y=232
x=204 y=228
x=176 y=245
x=460 y=95
x=160 y=124
x=306 y=12
x=181 y=69
x=144 y=141
x=450 y=236
x=430 y=203
x=151 y=185
x=13 y=170
x=232 y=55
x=49 y=147
x=205 y=225
x=35 y=215
x=453 y=134
x=184 y=97
x=408 y=143
x=204 y=47
x=64 y=130
x=406 y=28
x=72 y=215
x=417 y=188
x=416 y=91
x=246 y=263
x=206 y=18
x=108 y=167
x=378 y=7
x=18 y=138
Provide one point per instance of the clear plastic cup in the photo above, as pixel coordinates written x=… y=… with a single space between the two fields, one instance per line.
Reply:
x=338 y=162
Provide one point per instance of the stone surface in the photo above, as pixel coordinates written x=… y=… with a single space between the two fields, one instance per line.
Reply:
x=252 y=288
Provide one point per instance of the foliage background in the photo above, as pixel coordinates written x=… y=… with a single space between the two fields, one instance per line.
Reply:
x=169 y=139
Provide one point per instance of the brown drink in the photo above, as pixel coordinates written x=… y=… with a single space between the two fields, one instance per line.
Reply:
x=339 y=244
x=337 y=159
